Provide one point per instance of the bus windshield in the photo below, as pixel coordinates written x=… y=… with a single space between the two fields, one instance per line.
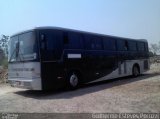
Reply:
x=23 y=47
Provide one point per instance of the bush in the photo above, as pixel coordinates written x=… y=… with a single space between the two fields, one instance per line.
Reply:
x=3 y=70
x=3 y=75
x=4 y=63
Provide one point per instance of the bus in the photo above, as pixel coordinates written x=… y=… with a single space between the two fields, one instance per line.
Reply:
x=46 y=58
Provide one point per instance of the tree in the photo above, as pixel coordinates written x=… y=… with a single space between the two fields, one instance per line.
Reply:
x=151 y=54
x=4 y=44
x=2 y=55
x=4 y=50
x=154 y=48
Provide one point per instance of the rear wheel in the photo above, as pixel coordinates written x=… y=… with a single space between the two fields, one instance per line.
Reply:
x=135 y=71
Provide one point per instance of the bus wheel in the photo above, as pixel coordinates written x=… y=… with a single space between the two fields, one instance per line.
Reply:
x=73 y=81
x=135 y=71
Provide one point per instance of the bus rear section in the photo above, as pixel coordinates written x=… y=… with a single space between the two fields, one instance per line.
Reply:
x=24 y=65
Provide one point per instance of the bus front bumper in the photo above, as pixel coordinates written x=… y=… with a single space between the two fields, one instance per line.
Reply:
x=26 y=84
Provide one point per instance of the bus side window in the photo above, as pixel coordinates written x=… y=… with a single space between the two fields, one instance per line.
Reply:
x=75 y=40
x=65 y=38
x=132 y=46
x=109 y=44
x=126 y=45
x=141 y=46
x=122 y=45
x=87 y=42
x=93 y=42
x=51 y=44
x=146 y=46
x=98 y=43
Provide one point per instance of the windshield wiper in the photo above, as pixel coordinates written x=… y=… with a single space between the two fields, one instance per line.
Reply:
x=17 y=51
x=12 y=55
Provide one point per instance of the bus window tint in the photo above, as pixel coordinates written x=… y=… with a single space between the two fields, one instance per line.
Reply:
x=75 y=41
x=98 y=43
x=88 y=42
x=146 y=46
x=109 y=44
x=122 y=45
x=53 y=44
x=141 y=46
x=132 y=45
x=54 y=40
x=65 y=38
x=93 y=43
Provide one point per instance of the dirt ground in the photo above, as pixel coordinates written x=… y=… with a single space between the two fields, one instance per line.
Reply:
x=141 y=94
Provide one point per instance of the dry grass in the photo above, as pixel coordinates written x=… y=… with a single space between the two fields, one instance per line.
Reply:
x=155 y=68
x=3 y=75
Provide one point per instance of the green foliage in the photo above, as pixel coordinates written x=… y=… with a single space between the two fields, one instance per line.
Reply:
x=2 y=55
x=4 y=44
x=155 y=48
x=4 y=51
x=151 y=54
x=4 y=62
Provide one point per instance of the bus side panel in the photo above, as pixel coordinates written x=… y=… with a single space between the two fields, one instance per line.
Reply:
x=52 y=75
x=92 y=64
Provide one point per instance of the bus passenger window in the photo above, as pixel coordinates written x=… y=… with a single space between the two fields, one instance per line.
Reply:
x=141 y=46
x=98 y=43
x=65 y=38
x=93 y=42
x=109 y=44
x=75 y=40
x=122 y=45
x=126 y=46
x=132 y=46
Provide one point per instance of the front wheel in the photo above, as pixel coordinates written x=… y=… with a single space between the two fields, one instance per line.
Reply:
x=73 y=81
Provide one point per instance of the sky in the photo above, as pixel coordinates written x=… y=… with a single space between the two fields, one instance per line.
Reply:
x=139 y=19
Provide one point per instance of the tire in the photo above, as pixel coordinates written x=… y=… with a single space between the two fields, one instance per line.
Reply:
x=135 y=71
x=73 y=81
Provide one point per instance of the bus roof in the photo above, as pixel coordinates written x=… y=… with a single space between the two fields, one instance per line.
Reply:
x=73 y=30
x=18 y=33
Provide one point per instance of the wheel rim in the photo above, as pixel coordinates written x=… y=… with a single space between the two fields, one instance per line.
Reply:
x=73 y=80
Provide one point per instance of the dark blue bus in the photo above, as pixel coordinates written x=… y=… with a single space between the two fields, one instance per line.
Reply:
x=47 y=58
